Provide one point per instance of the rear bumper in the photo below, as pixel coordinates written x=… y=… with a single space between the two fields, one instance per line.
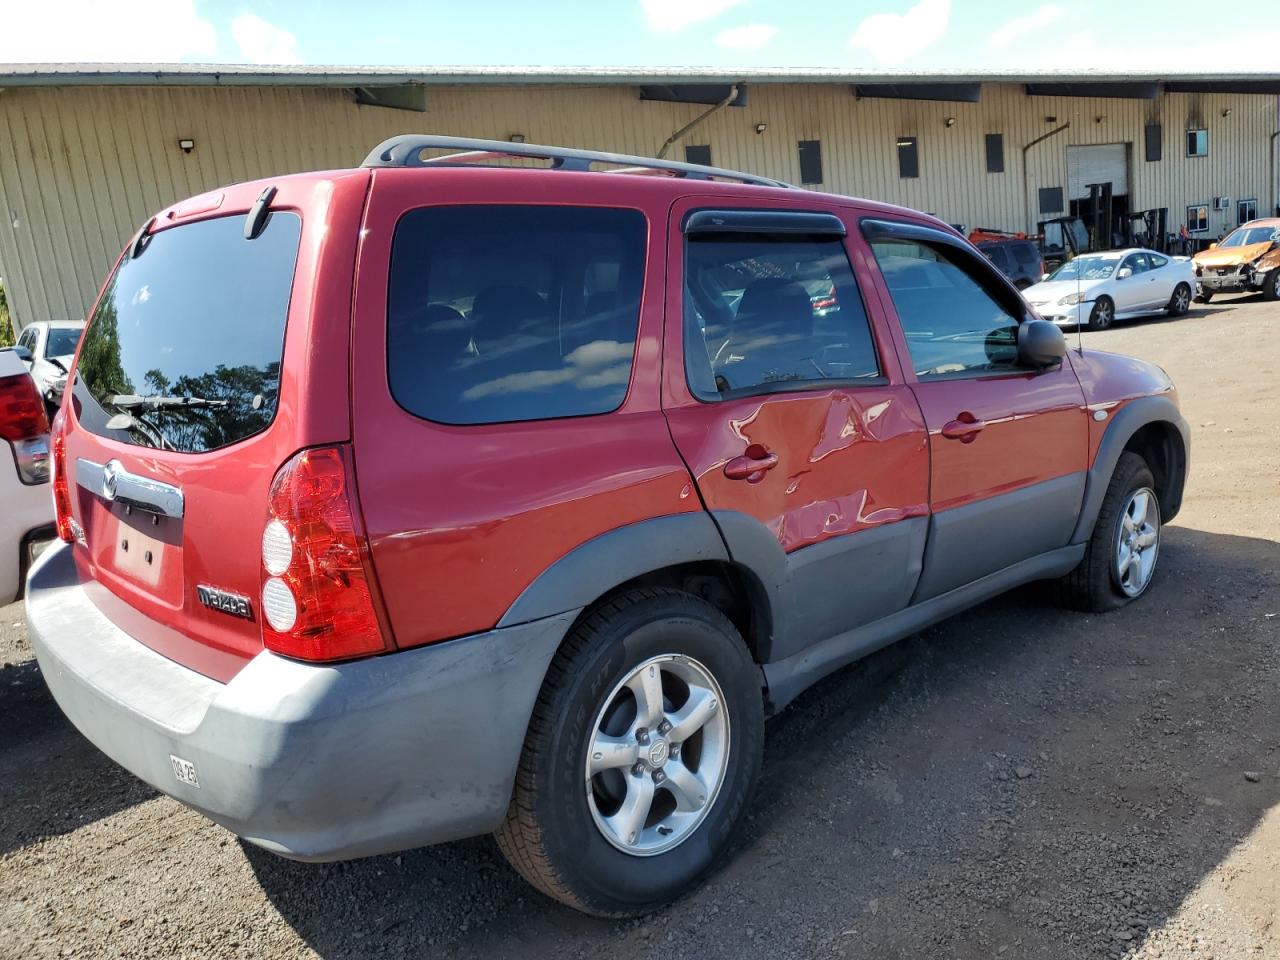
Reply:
x=312 y=762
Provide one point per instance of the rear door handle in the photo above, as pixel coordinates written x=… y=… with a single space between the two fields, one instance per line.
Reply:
x=752 y=466
x=965 y=428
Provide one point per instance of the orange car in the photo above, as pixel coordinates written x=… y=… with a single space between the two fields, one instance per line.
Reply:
x=1247 y=259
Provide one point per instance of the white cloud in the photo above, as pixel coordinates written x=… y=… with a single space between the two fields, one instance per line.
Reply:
x=263 y=42
x=1021 y=27
x=124 y=31
x=894 y=38
x=752 y=37
x=672 y=16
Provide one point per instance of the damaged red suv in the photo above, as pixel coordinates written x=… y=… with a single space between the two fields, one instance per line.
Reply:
x=442 y=497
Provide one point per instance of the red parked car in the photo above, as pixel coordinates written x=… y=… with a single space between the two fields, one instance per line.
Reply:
x=440 y=497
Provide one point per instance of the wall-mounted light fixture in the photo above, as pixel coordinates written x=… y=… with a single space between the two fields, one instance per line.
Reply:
x=761 y=127
x=1099 y=119
x=1226 y=112
x=950 y=121
x=517 y=138
x=186 y=144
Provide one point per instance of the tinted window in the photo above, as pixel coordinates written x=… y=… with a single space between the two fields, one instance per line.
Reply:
x=999 y=255
x=995 y=153
x=764 y=313
x=502 y=313
x=952 y=325
x=200 y=315
x=908 y=157
x=698 y=153
x=62 y=342
x=810 y=161
x=1026 y=254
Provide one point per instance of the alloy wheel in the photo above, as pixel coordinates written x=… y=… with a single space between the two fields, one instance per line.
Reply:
x=1181 y=300
x=1137 y=542
x=657 y=756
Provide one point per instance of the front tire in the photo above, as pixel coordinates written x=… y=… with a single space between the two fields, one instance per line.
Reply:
x=641 y=757
x=1271 y=285
x=1103 y=313
x=1203 y=295
x=1180 y=302
x=1120 y=559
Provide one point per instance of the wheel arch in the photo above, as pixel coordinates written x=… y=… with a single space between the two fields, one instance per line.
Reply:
x=1153 y=428
x=682 y=551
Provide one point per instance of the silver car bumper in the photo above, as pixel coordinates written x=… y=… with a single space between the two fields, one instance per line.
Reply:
x=313 y=762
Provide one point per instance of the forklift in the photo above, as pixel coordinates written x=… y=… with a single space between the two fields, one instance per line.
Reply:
x=1062 y=239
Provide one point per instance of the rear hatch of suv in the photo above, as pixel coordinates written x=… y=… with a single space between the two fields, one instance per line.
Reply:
x=218 y=348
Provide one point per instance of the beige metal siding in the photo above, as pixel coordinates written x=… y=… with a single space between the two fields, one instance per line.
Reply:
x=82 y=167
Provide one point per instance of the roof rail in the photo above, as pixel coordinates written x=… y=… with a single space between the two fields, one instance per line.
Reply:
x=406 y=151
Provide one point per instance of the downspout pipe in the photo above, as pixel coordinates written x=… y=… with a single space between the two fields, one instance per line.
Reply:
x=1275 y=187
x=1026 y=180
x=733 y=95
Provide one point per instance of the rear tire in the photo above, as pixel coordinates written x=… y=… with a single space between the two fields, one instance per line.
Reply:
x=1180 y=302
x=565 y=831
x=1098 y=584
x=1271 y=285
x=1104 y=312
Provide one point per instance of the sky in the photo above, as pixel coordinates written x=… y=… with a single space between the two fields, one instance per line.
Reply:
x=884 y=35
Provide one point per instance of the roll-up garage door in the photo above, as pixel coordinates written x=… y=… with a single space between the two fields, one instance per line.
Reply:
x=1105 y=163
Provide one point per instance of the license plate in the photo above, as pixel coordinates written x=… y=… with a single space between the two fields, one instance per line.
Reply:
x=185 y=771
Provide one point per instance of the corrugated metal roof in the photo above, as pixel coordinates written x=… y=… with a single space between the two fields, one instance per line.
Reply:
x=188 y=74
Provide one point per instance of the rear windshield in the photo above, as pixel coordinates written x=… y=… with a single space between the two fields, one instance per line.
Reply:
x=183 y=352
x=504 y=313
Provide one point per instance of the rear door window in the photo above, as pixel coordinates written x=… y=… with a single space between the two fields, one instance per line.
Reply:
x=505 y=313
x=764 y=314
x=183 y=351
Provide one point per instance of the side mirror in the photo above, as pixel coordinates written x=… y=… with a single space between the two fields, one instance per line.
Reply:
x=1124 y=274
x=23 y=354
x=1040 y=344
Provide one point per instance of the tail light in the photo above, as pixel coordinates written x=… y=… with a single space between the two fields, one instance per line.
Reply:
x=319 y=598
x=23 y=423
x=61 y=486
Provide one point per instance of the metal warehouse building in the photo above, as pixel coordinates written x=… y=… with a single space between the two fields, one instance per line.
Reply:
x=88 y=152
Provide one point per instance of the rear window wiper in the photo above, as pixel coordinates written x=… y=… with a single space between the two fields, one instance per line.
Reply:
x=156 y=401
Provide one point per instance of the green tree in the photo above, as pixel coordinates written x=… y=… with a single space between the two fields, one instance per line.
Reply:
x=6 y=322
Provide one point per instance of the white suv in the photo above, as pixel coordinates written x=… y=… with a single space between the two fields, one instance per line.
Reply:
x=50 y=347
x=27 y=513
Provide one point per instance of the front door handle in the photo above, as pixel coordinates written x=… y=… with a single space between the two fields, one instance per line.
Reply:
x=965 y=428
x=752 y=465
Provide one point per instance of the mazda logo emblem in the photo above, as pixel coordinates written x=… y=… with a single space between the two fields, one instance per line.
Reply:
x=110 y=475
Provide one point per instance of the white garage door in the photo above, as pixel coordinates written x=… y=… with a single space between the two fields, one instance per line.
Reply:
x=1106 y=163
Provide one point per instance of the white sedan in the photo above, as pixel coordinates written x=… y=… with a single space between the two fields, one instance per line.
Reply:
x=26 y=499
x=1097 y=288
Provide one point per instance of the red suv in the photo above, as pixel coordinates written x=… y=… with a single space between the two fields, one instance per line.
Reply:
x=441 y=497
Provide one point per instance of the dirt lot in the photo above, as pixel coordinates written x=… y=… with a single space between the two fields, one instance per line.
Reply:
x=1017 y=782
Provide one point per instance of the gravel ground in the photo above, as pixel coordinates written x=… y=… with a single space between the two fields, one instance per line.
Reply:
x=1015 y=782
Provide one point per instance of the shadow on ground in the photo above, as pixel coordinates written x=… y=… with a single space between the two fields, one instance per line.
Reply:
x=52 y=780
x=1018 y=777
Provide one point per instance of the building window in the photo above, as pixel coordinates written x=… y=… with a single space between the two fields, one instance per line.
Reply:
x=1197 y=143
x=699 y=153
x=810 y=161
x=908 y=157
x=1198 y=218
x=995 y=153
x=1051 y=200
x=1246 y=210
x=1155 y=142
